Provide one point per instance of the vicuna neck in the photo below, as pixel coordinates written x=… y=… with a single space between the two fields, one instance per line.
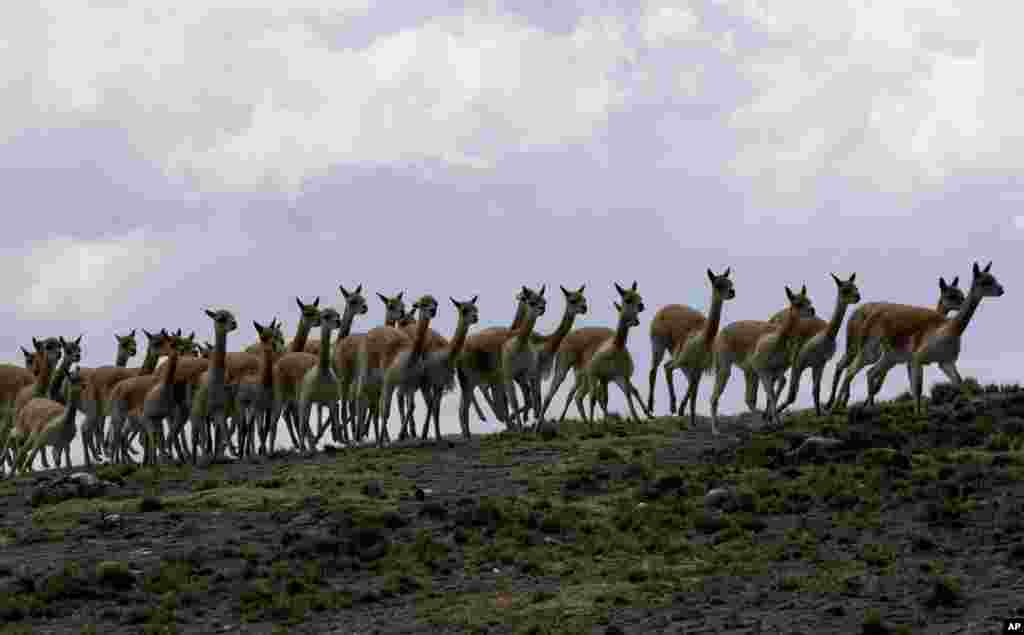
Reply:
x=789 y=322
x=171 y=367
x=517 y=321
x=458 y=340
x=220 y=347
x=122 y=358
x=555 y=339
x=419 y=343
x=149 y=363
x=267 y=370
x=298 y=344
x=43 y=376
x=713 y=320
x=966 y=312
x=837 y=319
x=325 y=346
x=621 y=332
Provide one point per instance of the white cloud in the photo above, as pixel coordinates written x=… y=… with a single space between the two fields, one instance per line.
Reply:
x=892 y=96
x=80 y=277
x=1018 y=221
x=258 y=97
x=664 y=22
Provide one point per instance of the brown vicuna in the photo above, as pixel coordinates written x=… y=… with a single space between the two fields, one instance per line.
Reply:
x=255 y=397
x=863 y=351
x=160 y=403
x=285 y=383
x=479 y=364
x=609 y=361
x=44 y=422
x=920 y=339
x=93 y=381
x=439 y=366
x=691 y=337
x=759 y=348
x=402 y=365
x=71 y=353
x=125 y=393
x=519 y=360
x=816 y=350
x=210 y=401
x=345 y=352
x=18 y=392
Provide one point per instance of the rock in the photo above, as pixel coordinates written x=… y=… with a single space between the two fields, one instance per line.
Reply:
x=720 y=498
x=547 y=430
x=434 y=510
x=115 y=573
x=373 y=489
x=150 y=504
x=369 y=543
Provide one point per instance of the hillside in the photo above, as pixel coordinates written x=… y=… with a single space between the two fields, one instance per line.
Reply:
x=871 y=521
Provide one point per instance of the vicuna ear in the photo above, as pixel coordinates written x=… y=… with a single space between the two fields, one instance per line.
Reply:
x=582 y=287
x=565 y=291
x=942 y=284
x=382 y=297
x=956 y=281
x=542 y=288
x=803 y=290
x=853 y=276
x=454 y=301
x=473 y=301
x=259 y=329
x=618 y=307
x=633 y=288
x=988 y=266
x=359 y=288
x=316 y=302
x=711 y=276
x=621 y=291
x=836 y=278
x=976 y=270
x=789 y=294
x=210 y=314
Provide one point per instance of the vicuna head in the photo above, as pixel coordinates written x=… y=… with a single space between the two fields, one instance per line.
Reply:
x=632 y=304
x=800 y=303
x=330 y=318
x=951 y=297
x=355 y=303
x=984 y=284
x=468 y=313
x=223 y=321
x=848 y=291
x=576 y=303
x=394 y=307
x=310 y=312
x=126 y=344
x=427 y=306
x=72 y=350
x=721 y=285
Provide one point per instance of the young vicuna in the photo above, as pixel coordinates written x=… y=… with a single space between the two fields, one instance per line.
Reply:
x=862 y=350
x=319 y=384
x=439 y=365
x=923 y=340
x=693 y=336
x=816 y=351
x=345 y=353
x=759 y=348
x=479 y=365
x=402 y=365
x=608 y=360
x=255 y=396
x=519 y=361
x=286 y=383
x=50 y=423
x=210 y=400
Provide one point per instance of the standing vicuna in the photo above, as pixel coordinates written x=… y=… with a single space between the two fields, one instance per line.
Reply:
x=160 y=403
x=519 y=360
x=607 y=360
x=18 y=392
x=255 y=396
x=759 y=348
x=545 y=349
x=94 y=380
x=210 y=399
x=124 y=397
x=863 y=351
x=816 y=351
x=71 y=353
x=402 y=365
x=46 y=422
x=692 y=337
x=284 y=399
x=345 y=352
x=305 y=379
x=479 y=364
x=439 y=366
x=921 y=339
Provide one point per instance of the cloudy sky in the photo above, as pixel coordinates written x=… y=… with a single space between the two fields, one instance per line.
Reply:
x=160 y=158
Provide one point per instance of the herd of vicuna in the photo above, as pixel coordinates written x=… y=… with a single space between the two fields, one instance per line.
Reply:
x=189 y=401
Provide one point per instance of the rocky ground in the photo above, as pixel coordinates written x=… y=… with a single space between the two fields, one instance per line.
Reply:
x=875 y=521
